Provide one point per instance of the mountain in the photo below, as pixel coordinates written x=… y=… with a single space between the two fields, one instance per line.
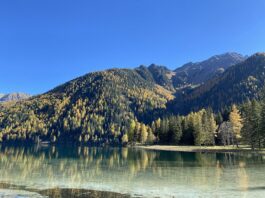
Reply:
x=101 y=107
x=13 y=97
x=190 y=75
x=237 y=84
x=98 y=108
x=194 y=74
x=160 y=75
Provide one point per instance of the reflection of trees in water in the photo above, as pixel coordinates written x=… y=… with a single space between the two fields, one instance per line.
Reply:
x=80 y=165
x=236 y=159
x=243 y=176
x=74 y=165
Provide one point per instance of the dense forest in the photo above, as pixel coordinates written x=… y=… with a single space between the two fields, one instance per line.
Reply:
x=242 y=125
x=96 y=108
x=145 y=105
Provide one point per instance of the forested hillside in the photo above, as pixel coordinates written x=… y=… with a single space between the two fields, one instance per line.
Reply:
x=237 y=84
x=97 y=107
x=120 y=106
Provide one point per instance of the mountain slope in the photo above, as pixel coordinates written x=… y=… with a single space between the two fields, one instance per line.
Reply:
x=96 y=108
x=198 y=73
x=160 y=75
x=237 y=84
x=13 y=97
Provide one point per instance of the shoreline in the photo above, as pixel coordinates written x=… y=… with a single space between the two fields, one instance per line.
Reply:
x=11 y=190
x=173 y=148
x=205 y=149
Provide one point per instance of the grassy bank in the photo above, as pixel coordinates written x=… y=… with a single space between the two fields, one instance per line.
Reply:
x=200 y=148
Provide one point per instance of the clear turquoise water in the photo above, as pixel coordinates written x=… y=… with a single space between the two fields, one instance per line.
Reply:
x=134 y=171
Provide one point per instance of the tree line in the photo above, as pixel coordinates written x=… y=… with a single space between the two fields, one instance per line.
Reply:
x=244 y=124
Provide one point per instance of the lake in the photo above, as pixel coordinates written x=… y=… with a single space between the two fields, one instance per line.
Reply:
x=128 y=172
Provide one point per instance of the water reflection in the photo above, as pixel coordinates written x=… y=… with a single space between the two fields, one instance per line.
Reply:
x=133 y=171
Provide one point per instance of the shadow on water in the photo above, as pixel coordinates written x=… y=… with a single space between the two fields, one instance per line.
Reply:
x=257 y=188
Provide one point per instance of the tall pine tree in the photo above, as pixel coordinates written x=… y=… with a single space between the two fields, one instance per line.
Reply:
x=236 y=121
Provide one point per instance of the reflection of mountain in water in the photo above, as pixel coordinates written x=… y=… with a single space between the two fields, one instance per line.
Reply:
x=126 y=170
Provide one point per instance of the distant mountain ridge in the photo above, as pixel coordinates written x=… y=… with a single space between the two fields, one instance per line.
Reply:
x=200 y=72
x=190 y=74
x=13 y=97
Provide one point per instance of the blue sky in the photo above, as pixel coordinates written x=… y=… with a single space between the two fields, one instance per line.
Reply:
x=44 y=43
